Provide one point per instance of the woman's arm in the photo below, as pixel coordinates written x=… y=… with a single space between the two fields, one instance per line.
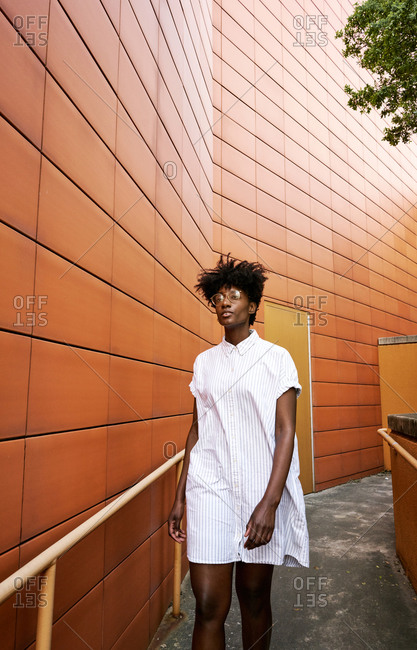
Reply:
x=174 y=519
x=262 y=521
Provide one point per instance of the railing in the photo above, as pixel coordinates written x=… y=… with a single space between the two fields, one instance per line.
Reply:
x=45 y=562
x=395 y=445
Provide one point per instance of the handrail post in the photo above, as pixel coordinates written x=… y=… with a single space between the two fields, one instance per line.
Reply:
x=177 y=563
x=46 y=610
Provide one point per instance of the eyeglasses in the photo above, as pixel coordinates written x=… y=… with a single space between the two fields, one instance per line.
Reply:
x=233 y=295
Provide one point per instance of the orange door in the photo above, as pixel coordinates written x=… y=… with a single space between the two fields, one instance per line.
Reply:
x=289 y=328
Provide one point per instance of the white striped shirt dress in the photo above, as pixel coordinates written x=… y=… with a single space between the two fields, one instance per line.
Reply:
x=236 y=389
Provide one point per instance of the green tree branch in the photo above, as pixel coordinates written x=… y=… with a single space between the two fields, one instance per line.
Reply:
x=382 y=36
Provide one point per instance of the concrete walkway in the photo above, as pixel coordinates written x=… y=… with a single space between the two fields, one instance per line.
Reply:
x=354 y=595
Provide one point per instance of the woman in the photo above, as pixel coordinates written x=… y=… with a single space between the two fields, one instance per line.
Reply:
x=245 y=505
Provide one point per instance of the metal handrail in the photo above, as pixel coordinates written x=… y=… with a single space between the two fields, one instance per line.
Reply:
x=45 y=562
x=397 y=447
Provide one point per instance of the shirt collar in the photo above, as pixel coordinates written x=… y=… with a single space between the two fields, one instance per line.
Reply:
x=241 y=347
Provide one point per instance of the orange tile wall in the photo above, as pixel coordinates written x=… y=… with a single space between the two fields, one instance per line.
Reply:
x=98 y=100
x=100 y=251
x=305 y=185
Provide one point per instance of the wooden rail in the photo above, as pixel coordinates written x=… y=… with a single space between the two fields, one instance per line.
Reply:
x=395 y=445
x=45 y=562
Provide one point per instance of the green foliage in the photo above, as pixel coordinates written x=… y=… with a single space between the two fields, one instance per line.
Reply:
x=382 y=36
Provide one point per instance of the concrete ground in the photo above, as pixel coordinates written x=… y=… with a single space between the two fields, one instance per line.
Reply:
x=355 y=593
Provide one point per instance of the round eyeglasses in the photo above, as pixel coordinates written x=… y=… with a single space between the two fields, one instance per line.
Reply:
x=233 y=295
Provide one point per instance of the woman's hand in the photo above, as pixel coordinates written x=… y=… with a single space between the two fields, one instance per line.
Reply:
x=174 y=522
x=260 y=525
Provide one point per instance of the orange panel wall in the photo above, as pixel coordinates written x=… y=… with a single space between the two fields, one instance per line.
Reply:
x=106 y=184
x=305 y=185
x=140 y=138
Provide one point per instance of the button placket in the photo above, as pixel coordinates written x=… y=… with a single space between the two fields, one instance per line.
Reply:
x=232 y=421
x=236 y=483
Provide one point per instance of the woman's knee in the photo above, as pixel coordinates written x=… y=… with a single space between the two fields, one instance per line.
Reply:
x=253 y=588
x=255 y=600
x=212 y=587
x=211 y=607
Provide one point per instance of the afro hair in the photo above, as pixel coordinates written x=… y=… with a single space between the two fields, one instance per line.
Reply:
x=249 y=277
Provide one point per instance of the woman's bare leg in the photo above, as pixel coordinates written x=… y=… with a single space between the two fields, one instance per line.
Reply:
x=212 y=587
x=253 y=588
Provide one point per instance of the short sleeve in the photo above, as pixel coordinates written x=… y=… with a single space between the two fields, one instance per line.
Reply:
x=193 y=382
x=288 y=376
